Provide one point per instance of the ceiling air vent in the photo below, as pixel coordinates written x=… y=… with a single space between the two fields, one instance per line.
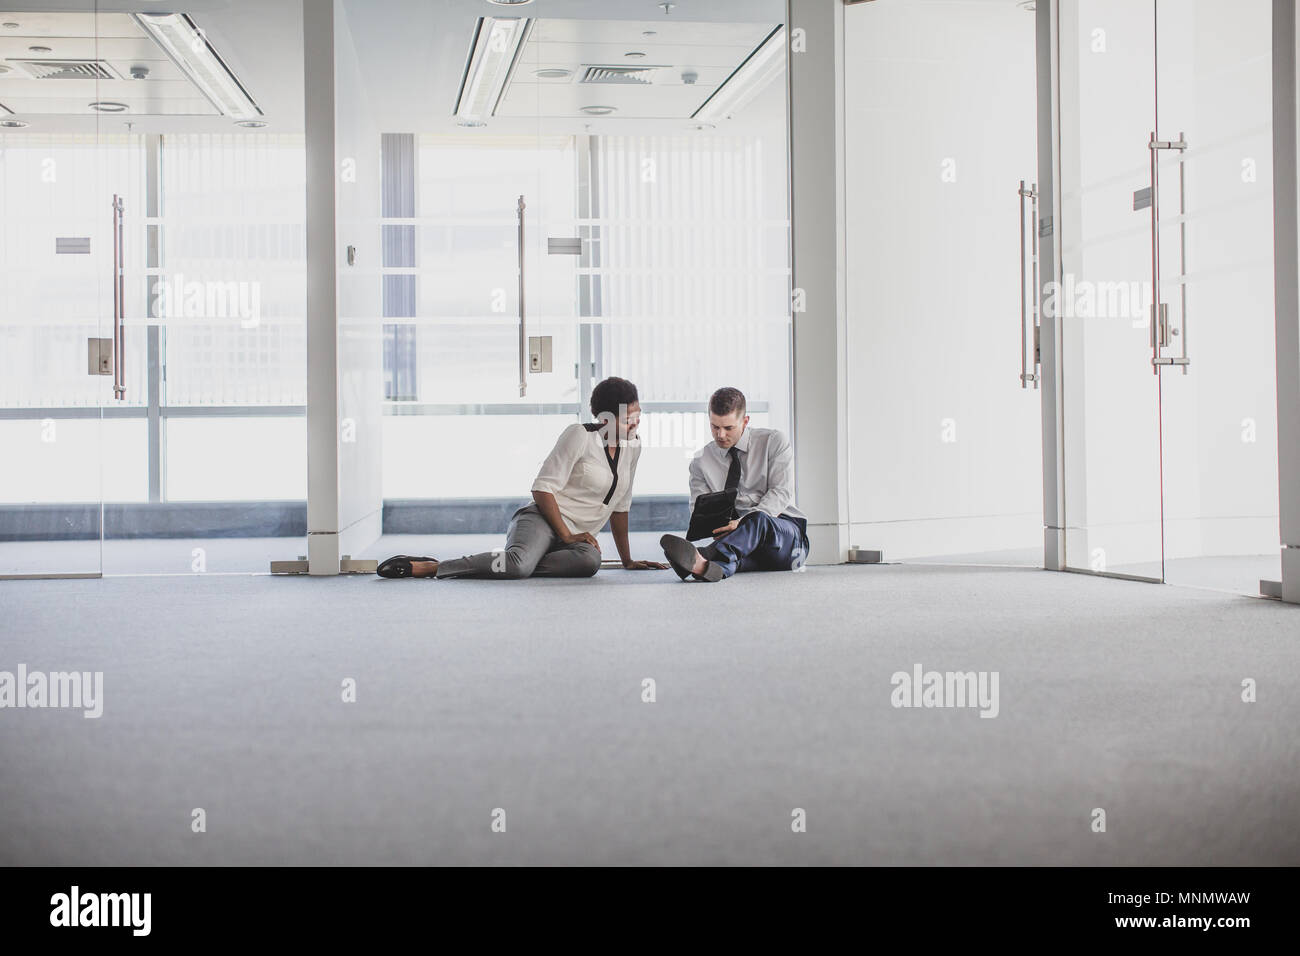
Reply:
x=67 y=69
x=621 y=75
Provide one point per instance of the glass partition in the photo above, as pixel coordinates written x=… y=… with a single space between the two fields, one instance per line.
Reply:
x=944 y=448
x=654 y=246
x=188 y=455
x=57 y=262
x=1170 y=424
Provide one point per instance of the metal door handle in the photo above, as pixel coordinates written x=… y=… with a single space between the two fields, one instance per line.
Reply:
x=1160 y=331
x=1027 y=376
x=523 y=333
x=119 y=303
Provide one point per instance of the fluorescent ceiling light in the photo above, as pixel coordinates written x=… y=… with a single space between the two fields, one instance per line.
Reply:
x=496 y=44
x=763 y=65
x=189 y=48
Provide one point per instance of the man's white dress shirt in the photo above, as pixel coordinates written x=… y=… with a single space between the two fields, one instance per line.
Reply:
x=766 y=472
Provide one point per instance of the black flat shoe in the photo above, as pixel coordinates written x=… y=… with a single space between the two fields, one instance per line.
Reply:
x=398 y=566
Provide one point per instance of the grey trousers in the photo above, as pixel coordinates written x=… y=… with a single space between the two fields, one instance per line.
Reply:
x=532 y=550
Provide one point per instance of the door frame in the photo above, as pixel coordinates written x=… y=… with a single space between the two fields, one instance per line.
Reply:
x=1286 y=284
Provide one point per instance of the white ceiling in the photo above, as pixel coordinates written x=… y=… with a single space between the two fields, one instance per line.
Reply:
x=113 y=40
x=411 y=56
x=704 y=53
x=260 y=40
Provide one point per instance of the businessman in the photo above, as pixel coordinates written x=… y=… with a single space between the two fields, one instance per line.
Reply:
x=770 y=534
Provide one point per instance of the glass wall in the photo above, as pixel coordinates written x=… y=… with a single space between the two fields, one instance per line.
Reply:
x=654 y=244
x=55 y=275
x=1170 y=427
x=944 y=435
x=196 y=461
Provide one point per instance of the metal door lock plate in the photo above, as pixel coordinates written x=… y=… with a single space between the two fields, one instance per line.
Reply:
x=539 y=353
x=99 y=356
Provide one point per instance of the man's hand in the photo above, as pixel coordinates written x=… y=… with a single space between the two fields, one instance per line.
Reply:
x=727 y=528
x=645 y=566
x=589 y=538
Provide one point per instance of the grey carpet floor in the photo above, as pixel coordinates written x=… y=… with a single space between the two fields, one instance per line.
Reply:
x=773 y=693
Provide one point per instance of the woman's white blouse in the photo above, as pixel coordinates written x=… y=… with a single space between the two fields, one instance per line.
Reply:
x=577 y=472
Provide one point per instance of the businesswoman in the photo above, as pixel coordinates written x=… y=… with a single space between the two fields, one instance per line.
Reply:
x=585 y=481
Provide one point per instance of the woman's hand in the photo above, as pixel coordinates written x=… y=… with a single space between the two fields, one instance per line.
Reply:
x=645 y=566
x=727 y=528
x=589 y=538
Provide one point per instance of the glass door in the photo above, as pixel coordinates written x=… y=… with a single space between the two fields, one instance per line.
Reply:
x=965 y=437
x=59 y=361
x=1167 y=292
x=1216 y=347
x=152 y=230
x=1110 y=389
x=469 y=200
x=652 y=244
x=215 y=481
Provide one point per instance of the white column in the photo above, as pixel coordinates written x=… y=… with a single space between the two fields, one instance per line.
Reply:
x=816 y=75
x=322 y=291
x=1286 y=266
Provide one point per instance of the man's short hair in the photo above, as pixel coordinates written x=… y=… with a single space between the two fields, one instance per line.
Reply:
x=725 y=401
x=610 y=394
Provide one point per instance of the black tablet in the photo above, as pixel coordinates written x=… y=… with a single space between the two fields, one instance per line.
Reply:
x=712 y=510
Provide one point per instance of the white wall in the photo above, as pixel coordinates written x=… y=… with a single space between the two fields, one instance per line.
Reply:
x=944 y=445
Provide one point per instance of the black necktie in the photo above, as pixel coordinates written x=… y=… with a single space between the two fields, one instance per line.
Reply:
x=733 y=472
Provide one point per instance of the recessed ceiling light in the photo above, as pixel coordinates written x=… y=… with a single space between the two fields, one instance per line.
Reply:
x=108 y=106
x=649 y=33
x=471 y=123
x=13 y=124
x=754 y=75
x=599 y=110
x=704 y=126
x=252 y=124
x=497 y=41
x=635 y=54
x=510 y=3
x=552 y=74
x=40 y=49
x=10 y=25
x=187 y=45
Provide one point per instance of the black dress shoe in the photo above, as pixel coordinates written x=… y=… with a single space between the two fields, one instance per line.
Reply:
x=681 y=554
x=398 y=566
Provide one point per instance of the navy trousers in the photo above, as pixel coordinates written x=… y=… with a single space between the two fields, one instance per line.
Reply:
x=760 y=543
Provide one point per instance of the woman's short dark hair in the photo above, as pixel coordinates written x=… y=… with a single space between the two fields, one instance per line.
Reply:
x=610 y=394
